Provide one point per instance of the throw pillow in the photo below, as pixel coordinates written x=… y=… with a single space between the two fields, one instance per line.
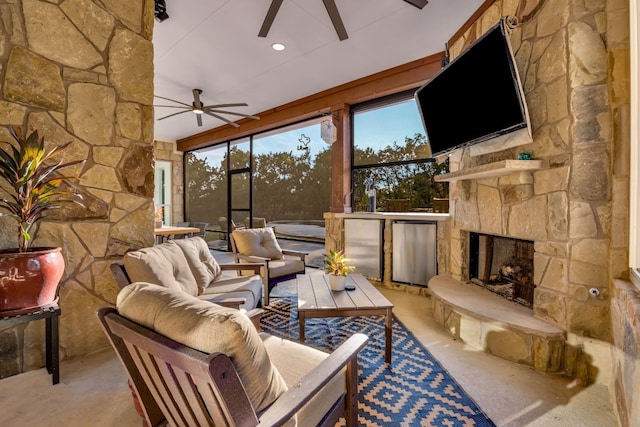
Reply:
x=257 y=242
x=164 y=265
x=204 y=267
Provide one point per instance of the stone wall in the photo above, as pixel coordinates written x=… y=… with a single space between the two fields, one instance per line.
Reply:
x=572 y=208
x=82 y=71
x=573 y=59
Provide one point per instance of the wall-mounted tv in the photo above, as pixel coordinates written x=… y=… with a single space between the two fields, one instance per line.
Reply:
x=476 y=97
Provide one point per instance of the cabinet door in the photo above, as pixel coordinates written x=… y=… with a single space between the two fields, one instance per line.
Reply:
x=414 y=252
x=363 y=246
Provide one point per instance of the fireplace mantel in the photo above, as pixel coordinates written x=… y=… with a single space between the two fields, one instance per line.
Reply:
x=490 y=170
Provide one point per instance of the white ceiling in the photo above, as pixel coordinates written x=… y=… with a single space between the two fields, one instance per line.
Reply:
x=213 y=45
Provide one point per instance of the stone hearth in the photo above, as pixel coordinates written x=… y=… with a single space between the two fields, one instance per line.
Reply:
x=490 y=323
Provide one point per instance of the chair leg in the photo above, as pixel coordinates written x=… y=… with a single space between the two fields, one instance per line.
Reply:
x=351 y=410
x=265 y=294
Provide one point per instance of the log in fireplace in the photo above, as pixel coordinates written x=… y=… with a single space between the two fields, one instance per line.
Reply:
x=502 y=265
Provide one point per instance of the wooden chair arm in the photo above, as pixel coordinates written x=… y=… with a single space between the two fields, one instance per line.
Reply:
x=231 y=302
x=296 y=397
x=297 y=254
x=253 y=258
x=255 y=315
x=120 y=274
x=255 y=266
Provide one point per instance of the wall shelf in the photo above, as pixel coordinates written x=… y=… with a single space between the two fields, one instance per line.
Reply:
x=490 y=170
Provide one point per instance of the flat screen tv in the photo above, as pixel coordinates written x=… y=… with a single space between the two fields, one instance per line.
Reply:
x=475 y=98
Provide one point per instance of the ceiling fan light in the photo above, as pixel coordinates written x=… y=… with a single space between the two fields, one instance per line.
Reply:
x=278 y=46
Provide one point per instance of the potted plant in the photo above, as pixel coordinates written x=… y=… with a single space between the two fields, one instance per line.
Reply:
x=335 y=265
x=30 y=276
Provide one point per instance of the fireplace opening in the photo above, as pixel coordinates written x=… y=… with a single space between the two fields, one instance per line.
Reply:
x=502 y=265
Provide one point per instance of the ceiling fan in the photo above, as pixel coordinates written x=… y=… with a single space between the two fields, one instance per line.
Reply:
x=198 y=108
x=332 y=10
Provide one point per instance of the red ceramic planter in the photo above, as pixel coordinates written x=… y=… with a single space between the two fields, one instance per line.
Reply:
x=29 y=280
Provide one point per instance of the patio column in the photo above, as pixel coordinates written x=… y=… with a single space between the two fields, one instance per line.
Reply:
x=341 y=160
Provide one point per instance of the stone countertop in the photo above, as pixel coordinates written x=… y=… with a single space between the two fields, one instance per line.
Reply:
x=408 y=216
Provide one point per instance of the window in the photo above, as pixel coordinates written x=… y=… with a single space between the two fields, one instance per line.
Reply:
x=634 y=230
x=392 y=168
x=292 y=173
x=283 y=175
x=162 y=192
x=206 y=190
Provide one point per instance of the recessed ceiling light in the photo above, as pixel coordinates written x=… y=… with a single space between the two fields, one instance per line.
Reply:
x=278 y=46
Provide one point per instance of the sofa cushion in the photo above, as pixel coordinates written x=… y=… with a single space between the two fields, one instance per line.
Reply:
x=203 y=266
x=248 y=287
x=294 y=361
x=257 y=242
x=164 y=265
x=209 y=328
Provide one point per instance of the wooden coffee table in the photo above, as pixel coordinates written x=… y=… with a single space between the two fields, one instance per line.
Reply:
x=316 y=299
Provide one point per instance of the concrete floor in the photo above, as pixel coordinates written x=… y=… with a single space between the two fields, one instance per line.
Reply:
x=93 y=390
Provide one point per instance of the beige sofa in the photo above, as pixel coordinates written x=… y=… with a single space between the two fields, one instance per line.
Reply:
x=188 y=266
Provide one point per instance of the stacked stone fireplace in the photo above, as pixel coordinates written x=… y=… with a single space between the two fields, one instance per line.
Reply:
x=503 y=266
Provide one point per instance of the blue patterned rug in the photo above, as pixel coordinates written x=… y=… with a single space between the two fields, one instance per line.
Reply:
x=414 y=390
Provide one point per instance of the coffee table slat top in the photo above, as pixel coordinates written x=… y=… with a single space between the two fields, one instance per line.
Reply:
x=314 y=292
x=370 y=291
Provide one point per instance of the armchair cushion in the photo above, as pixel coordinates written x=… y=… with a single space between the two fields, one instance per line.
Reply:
x=294 y=361
x=284 y=267
x=257 y=242
x=209 y=328
x=164 y=265
x=204 y=267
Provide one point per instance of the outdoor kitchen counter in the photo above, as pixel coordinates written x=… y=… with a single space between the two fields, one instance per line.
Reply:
x=406 y=216
x=373 y=247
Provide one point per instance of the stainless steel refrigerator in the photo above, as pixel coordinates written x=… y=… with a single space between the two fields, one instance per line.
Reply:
x=363 y=246
x=414 y=252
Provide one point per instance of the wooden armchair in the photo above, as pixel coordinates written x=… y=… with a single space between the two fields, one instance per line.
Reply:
x=182 y=386
x=259 y=245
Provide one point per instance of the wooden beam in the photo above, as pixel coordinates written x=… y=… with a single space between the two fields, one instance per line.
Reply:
x=469 y=22
x=403 y=77
x=341 y=160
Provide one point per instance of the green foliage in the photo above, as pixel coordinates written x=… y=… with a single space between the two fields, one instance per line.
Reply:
x=411 y=180
x=292 y=185
x=335 y=263
x=34 y=186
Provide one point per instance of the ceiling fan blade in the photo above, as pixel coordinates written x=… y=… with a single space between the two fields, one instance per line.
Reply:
x=418 y=3
x=237 y=104
x=172 y=106
x=199 y=119
x=232 y=113
x=235 y=125
x=336 y=20
x=174 y=114
x=196 y=98
x=172 y=100
x=268 y=20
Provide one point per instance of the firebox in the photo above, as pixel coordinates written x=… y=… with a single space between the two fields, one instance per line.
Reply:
x=502 y=265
